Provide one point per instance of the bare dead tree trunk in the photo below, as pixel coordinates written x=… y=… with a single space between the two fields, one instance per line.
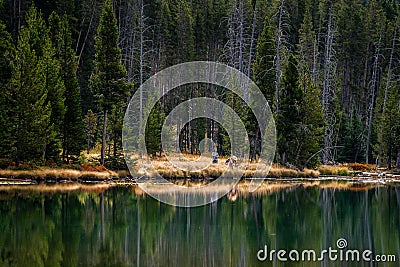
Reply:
x=253 y=27
x=278 y=71
x=371 y=95
x=240 y=40
x=328 y=93
x=145 y=48
x=19 y=15
x=142 y=28
x=128 y=37
x=87 y=34
x=365 y=69
x=115 y=145
x=389 y=73
x=88 y=144
x=315 y=58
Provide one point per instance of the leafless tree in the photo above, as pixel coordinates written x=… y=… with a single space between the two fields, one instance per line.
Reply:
x=252 y=39
x=282 y=18
x=135 y=40
x=389 y=72
x=91 y=11
x=315 y=66
x=328 y=88
x=373 y=85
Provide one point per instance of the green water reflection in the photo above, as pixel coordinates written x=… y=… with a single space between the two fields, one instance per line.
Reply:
x=119 y=228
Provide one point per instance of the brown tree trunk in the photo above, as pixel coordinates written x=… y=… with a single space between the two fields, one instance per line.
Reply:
x=88 y=145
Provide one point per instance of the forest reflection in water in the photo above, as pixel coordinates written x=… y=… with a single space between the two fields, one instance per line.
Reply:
x=121 y=226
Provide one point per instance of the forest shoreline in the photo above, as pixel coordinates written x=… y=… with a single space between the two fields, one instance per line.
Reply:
x=276 y=174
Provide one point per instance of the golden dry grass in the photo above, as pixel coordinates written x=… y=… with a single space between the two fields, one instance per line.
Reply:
x=163 y=167
x=49 y=174
x=167 y=170
x=334 y=170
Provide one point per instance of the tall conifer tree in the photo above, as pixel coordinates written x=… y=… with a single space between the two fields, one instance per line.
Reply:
x=72 y=130
x=263 y=66
x=40 y=42
x=290 y=115
x=312 y=122
x=28 y=109
x=107 y=80
x=6 y=52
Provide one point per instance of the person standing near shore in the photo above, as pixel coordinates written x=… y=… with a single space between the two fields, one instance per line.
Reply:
x=231 y=161
x=214 y=155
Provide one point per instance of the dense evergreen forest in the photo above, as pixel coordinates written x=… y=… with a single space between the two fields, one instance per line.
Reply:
x=329 y=69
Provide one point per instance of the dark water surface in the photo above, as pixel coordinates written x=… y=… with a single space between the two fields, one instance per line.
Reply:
x=116 y=227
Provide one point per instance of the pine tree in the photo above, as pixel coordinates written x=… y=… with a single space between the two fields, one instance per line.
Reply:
x=153 y=131
x=389 y=127
x=6 y=48
x=312 y=122
x=72 y=130
x=115 y=126
x=163 y=36
x=263 y=66
x=307 y=45
x=290 y=116
x=40 y=42
x=215 y=34
x=353 y=44
x=55 y=97
x=375 y=24
x=38 y=31
x=107 y=79
x=264 y=75
x=28 y=109
x=200 y=38
x=6 y=53
x=349 y=140
x=181 y=32
x=90 y=122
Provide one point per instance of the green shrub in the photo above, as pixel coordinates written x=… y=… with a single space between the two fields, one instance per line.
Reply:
x=115 y=163
x=4 y=163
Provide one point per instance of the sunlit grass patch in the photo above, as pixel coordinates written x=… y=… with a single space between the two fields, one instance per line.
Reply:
x=339 y=170
x=360 y=166
x=168 y=171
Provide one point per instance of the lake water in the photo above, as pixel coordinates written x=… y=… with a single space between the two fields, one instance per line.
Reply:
x=118 y=227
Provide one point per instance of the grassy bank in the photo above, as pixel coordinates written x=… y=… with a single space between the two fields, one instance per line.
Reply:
x=167 y=170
